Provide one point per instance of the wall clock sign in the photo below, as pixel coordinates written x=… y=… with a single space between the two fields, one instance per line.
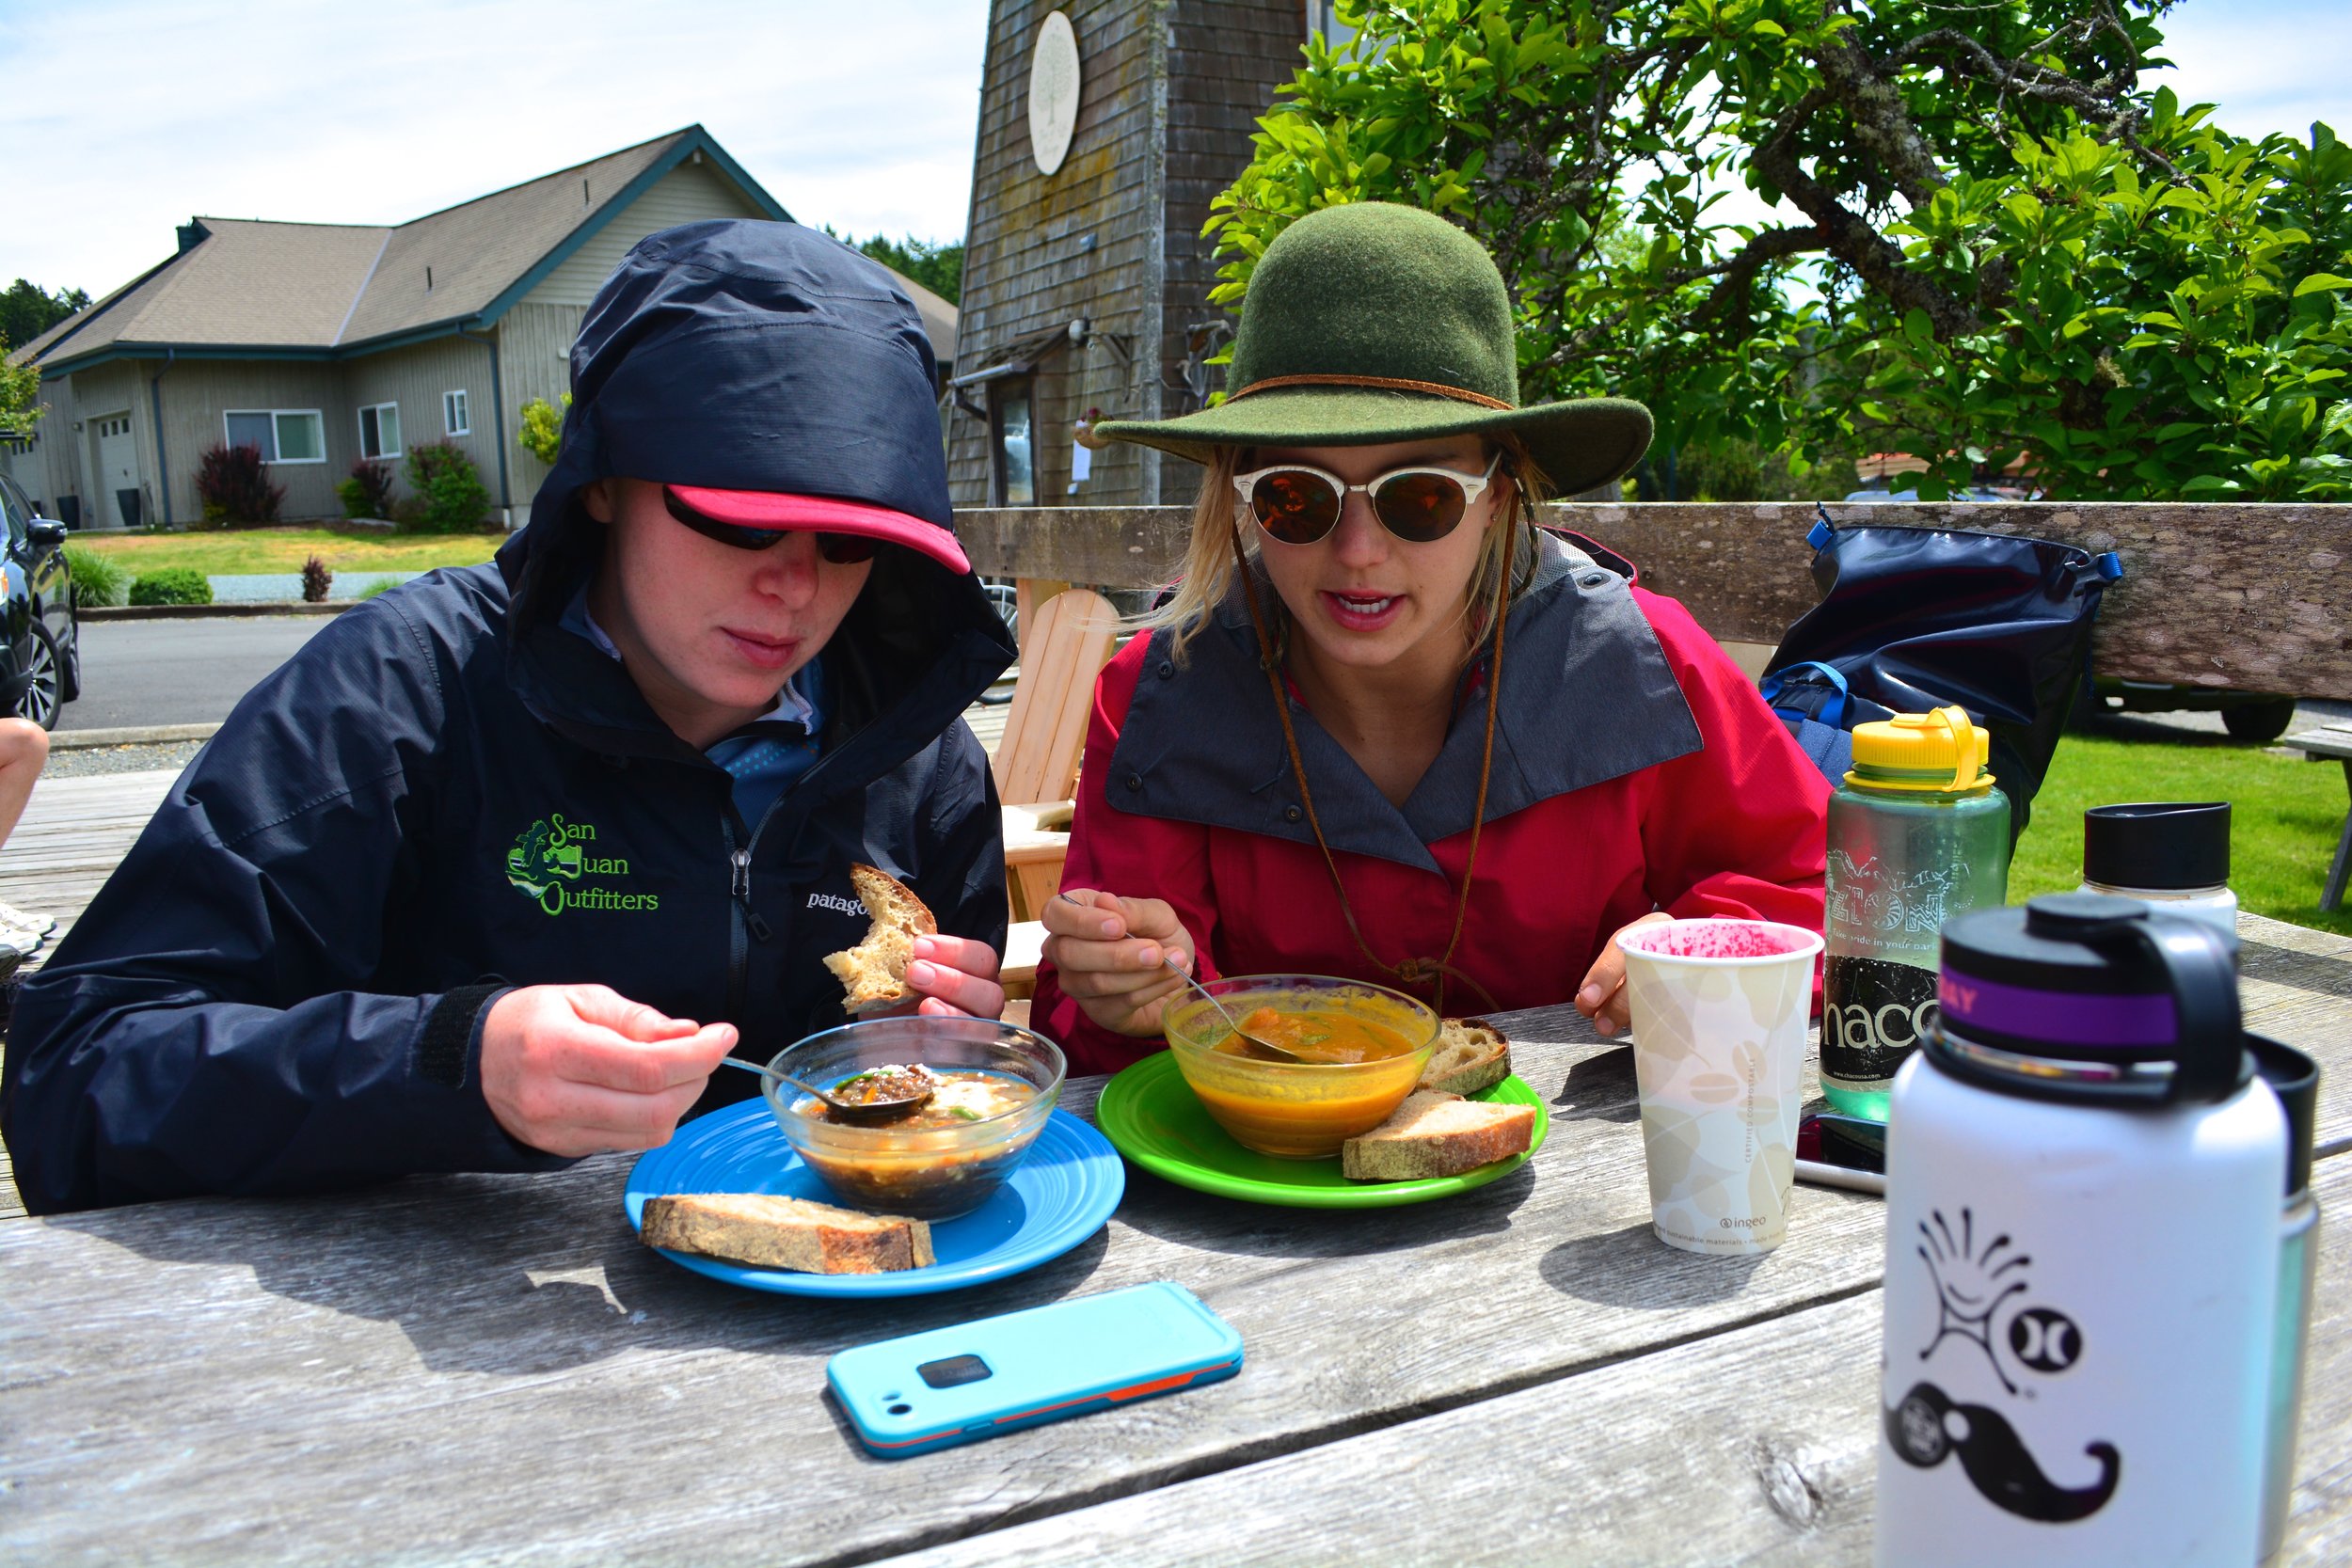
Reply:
x=1053 y=91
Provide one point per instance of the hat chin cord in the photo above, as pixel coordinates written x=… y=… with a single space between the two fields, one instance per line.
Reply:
x=1415 y=971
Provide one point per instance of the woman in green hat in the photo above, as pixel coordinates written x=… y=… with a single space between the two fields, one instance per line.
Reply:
x=1385 y=727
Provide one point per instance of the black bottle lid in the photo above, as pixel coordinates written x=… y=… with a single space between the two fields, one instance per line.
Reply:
x=2079 y=996
x=2295 y=1078
x=2158 y=843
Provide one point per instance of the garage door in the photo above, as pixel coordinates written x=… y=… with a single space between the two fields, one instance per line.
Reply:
x=117 y=472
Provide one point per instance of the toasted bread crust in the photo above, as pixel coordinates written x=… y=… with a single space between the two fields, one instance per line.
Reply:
x=1471 y=1056
x=1438 y=1135
x=874 y=973
x=770 y=1232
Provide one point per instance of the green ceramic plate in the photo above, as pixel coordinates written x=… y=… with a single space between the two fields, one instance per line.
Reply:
x=1154 y=1118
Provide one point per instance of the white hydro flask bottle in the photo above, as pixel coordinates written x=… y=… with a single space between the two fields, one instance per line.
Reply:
x=2082 y=1250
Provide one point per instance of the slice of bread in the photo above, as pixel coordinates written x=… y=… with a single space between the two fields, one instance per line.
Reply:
x=770 y=1232
x=874 y=973
x=1471 y=1056
x=1438 y=1135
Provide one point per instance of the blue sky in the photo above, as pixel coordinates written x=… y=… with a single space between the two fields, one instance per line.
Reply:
x=123 y=118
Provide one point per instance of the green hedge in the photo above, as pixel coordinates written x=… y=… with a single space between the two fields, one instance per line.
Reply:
x=98 y=582
x=172 y=585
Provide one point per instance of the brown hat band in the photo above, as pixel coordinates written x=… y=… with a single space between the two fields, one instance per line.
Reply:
x=1390 y=383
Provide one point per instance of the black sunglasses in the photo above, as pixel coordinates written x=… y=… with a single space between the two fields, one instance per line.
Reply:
x=1297 y=505
x=842 y=549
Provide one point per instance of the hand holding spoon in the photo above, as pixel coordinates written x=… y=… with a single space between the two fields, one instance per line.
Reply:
x=1263 y=1047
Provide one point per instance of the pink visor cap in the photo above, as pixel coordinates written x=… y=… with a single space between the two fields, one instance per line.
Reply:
x=781 y=511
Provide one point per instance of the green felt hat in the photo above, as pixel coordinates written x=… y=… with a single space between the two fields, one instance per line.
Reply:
x=1374 y=322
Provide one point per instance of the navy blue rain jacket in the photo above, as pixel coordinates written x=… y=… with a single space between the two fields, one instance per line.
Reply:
x=446 y=792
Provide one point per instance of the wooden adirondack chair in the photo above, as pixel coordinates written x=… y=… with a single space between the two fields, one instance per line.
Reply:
x=1064 y=643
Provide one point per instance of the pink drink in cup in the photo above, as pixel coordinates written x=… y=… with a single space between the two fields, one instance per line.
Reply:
x=1719 y=1024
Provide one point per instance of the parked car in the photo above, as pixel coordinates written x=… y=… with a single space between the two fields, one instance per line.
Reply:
x=2255 y=716
x=40 y=642
x=1882 y=492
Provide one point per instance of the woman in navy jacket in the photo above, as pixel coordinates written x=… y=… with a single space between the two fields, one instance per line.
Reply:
x=452 y=890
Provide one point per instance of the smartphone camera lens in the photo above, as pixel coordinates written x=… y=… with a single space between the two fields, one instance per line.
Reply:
x=954 y=1372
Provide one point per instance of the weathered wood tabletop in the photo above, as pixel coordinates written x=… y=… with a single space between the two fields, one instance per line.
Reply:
x=491 y=1368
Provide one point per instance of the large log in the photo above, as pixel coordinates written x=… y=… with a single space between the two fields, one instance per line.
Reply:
x=2253 y=597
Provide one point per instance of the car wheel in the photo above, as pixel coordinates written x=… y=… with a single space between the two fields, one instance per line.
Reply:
x=2259 y=722
x=45 y=682
x=1006 y=600
x=69 y=686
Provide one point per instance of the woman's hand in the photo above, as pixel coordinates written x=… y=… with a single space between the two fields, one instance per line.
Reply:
x=956 y=974
x=1601 y=997
x=1107 y=951
x=583 y=1069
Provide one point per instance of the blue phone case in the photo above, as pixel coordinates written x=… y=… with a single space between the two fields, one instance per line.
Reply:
x=959 y=1385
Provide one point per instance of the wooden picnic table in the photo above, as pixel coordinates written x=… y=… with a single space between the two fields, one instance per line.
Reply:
x=2331 y=743
x=492 y=1368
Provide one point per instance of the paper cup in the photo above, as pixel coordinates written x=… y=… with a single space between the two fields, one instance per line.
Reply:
x=1719 y=1013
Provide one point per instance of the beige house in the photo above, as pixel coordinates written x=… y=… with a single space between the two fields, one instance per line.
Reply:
x=324 y=343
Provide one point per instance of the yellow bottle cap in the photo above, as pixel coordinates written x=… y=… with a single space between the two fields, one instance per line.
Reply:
x=1940 y=753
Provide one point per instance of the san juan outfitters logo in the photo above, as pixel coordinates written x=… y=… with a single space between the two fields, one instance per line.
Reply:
x=550 y=868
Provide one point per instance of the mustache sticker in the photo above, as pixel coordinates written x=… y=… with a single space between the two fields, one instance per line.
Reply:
x=1927 y=1425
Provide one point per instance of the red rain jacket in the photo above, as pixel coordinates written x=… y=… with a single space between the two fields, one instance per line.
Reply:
x=1635 y=770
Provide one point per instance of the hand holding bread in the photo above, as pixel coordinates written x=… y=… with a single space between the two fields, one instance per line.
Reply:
x=905 y=959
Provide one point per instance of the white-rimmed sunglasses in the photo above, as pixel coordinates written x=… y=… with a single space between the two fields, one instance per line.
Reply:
x=1297 y=505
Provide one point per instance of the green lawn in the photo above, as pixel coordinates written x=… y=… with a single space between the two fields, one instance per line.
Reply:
x=231 y=551
x=2286 y=815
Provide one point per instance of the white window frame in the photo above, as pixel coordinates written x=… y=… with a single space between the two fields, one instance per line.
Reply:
x=360 y=417
x=276 y=444
x=456 y=402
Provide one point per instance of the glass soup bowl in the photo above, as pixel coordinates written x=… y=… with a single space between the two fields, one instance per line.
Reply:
x=1297 y=1110
x=925 y=1173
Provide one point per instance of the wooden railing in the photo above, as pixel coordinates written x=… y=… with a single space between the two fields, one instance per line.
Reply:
x=2254 y=597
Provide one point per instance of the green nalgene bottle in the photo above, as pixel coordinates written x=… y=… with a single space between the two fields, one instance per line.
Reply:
x=1917 y=835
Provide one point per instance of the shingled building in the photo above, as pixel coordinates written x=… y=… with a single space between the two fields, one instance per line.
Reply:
x=1105 y=128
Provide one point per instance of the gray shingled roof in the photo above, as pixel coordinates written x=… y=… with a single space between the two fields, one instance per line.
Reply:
x=478 y=249
x=251 y=283
x=269 y=284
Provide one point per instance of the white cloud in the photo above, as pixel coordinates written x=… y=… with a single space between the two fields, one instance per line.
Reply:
x=125 y=118
x=2267 y=65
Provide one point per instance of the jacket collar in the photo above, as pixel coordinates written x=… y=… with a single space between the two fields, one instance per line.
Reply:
x=1587 y=696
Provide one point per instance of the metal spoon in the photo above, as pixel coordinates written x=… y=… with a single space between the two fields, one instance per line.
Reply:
x=863 y=1111
x=1264 y=1048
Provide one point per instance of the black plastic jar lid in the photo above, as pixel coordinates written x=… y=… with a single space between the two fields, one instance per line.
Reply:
x=2158 y=843
x=2295 y=1078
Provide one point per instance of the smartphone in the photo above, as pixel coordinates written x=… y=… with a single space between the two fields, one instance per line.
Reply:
x=959 y=1385
x=1842 y=1151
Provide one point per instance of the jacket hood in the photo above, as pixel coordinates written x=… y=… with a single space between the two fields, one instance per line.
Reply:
x=756 y=355
x=739 y=355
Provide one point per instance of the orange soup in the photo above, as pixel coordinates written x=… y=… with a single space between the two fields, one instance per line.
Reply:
x=1320 y=1037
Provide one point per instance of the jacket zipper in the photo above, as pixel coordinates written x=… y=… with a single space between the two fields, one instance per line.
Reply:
x=744 y=925
x=738 y=910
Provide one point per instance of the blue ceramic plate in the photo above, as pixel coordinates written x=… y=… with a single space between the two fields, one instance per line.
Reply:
x=1060 y=1194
